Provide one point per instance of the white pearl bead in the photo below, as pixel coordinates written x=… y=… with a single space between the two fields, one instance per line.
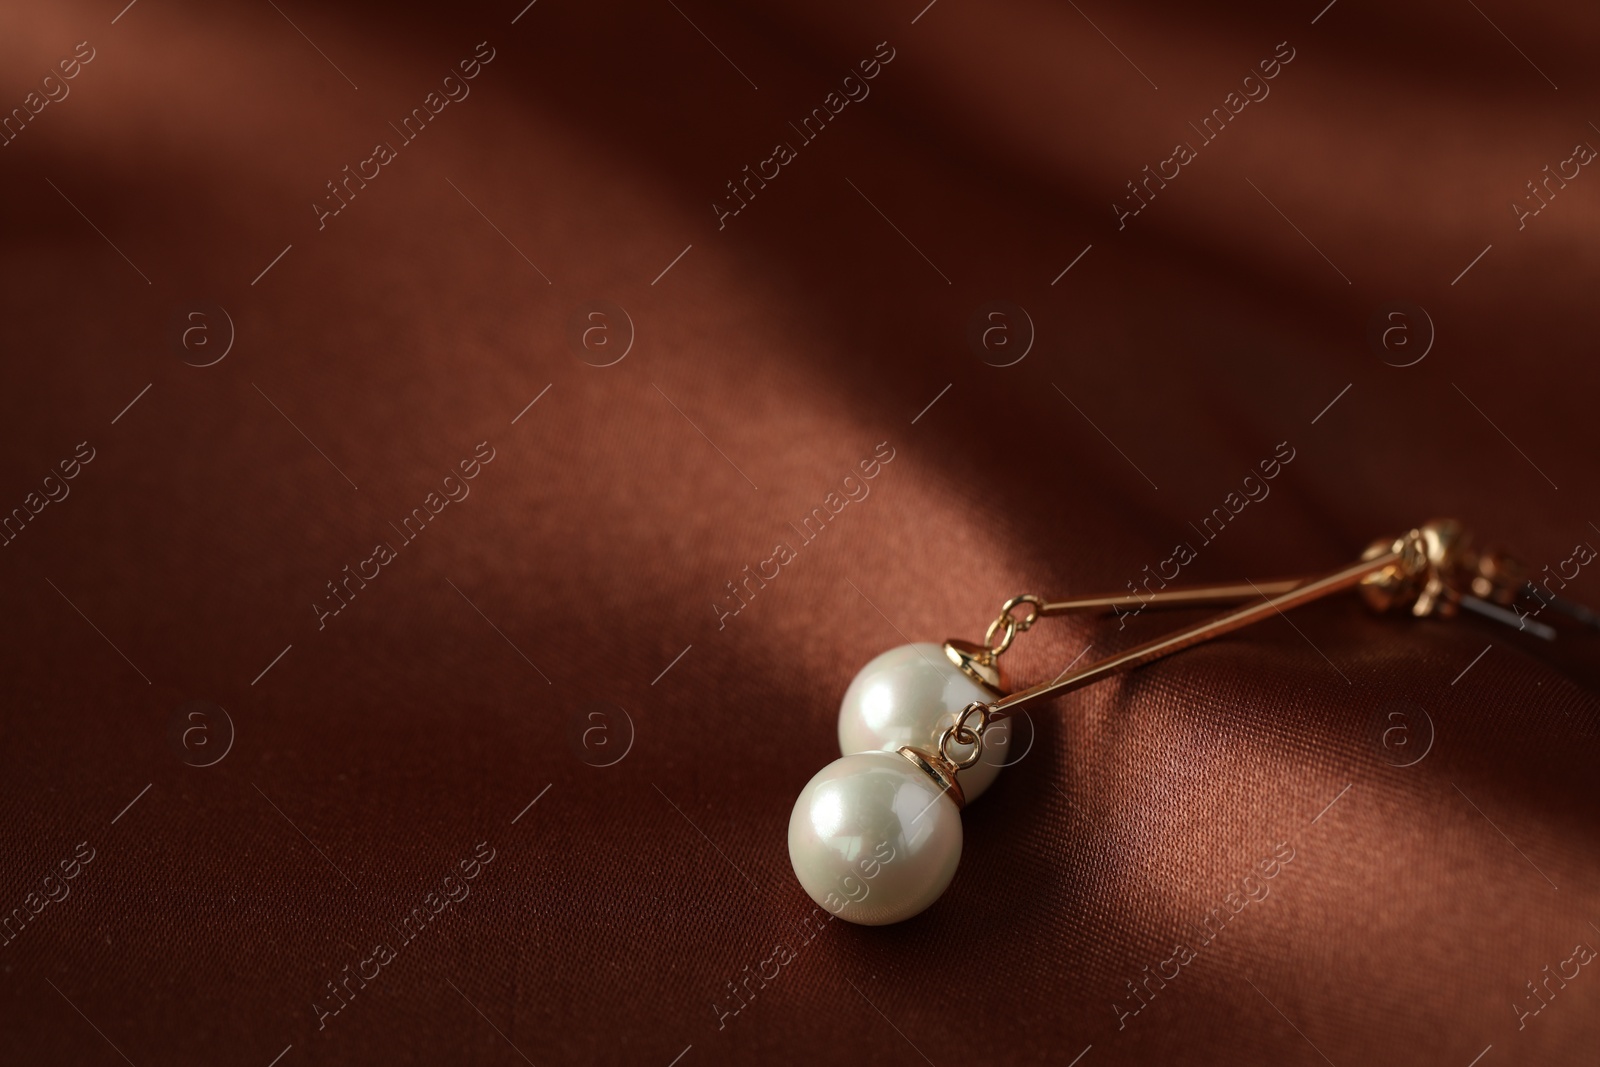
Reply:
x=874 y=839
x=908 y=696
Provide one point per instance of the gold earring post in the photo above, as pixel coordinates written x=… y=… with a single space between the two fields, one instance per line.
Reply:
x=1430 y=570
x=1337 y=582
x=1194 y=596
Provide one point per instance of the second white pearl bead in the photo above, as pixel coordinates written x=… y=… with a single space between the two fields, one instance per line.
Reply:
x=908 y=696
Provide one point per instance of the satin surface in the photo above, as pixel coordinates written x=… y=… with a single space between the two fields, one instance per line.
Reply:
x=470 y=579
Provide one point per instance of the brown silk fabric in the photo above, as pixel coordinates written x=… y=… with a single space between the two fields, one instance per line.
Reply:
x=674 y=564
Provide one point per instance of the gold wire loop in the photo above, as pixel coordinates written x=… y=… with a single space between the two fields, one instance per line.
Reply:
x=962 y=734
x=1009 y=625
x=1027 y=620
x=961 y=764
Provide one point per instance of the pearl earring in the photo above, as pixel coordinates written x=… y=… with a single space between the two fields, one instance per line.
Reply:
x=876 y=835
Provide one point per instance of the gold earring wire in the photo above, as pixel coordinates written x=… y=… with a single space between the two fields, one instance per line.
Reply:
x=1430 y=570
x=1482 y=582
